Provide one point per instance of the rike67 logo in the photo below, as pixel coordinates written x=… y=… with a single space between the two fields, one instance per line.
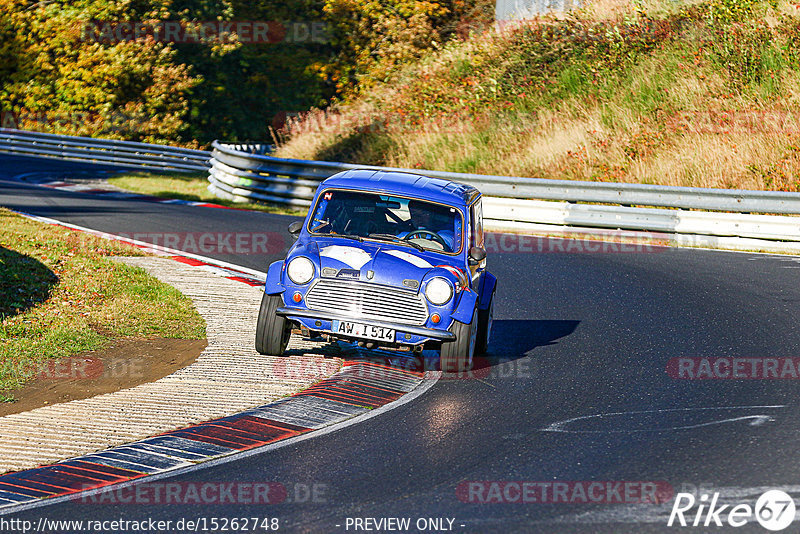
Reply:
x=774 y=510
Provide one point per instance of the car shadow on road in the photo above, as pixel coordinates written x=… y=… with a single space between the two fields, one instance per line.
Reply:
x=515 y=338
x=510 y=340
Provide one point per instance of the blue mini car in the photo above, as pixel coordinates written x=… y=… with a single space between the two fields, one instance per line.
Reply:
x=386 y=260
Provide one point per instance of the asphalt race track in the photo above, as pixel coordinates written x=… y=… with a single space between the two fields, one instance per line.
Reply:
x=575 y=335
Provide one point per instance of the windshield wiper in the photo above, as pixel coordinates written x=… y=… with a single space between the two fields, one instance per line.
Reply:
x=390 y=237
x=351 y=236
x=346 y=236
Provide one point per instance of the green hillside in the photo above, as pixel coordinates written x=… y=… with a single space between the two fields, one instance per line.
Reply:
x=703 y=94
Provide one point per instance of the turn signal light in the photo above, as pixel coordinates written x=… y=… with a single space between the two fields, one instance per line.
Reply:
x=435 y=318
x=297 y=297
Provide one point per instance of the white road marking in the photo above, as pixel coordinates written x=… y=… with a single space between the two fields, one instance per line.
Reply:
x=756 y=419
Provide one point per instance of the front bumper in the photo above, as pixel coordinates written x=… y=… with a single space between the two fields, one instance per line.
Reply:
x=421 y=331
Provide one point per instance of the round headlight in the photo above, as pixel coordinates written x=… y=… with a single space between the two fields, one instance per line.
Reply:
x=300 y=270
x=438 y=291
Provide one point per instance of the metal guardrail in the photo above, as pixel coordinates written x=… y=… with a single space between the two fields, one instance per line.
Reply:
x=254 y=176
x=508 y=213
x=245 y=173
x=104 y=151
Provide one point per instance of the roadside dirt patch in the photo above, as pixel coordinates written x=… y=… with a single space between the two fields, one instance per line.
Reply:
x=127 y=363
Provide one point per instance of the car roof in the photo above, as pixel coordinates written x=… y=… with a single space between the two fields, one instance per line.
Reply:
x=404 y=183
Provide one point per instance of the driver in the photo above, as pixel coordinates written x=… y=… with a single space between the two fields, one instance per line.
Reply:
x=426 y=216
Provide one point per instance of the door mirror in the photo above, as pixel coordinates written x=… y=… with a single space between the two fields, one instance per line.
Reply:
x=476 y=255
x=295 y=228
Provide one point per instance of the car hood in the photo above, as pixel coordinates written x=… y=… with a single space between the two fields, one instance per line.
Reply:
x=386 y=263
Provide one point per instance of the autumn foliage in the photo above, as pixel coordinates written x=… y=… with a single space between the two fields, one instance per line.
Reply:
x=57 y=76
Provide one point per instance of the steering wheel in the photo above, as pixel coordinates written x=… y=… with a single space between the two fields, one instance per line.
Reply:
x=427 y=235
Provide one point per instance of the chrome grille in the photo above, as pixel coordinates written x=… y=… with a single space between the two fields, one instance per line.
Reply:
x=363 y=300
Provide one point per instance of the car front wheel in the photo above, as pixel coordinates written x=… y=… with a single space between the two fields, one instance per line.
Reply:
x=456 y=356
x=485 y=319
x=272 y=331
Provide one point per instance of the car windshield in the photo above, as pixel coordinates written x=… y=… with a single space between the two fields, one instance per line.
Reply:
x=416 y=223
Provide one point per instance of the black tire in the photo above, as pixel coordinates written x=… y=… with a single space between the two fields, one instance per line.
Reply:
x=457 y=356
x=272 y=331
x=485 y=320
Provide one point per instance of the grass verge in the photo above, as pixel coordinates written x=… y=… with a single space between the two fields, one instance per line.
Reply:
x=189 y=186
x=61 y=295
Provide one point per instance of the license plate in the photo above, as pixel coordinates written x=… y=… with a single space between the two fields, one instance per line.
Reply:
x=348 y=328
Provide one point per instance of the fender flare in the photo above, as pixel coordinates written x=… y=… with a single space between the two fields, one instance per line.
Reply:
x=466 y=305
x=488 y=285
x=273 y=284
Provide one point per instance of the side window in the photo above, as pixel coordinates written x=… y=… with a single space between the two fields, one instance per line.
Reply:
x=476 y=225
